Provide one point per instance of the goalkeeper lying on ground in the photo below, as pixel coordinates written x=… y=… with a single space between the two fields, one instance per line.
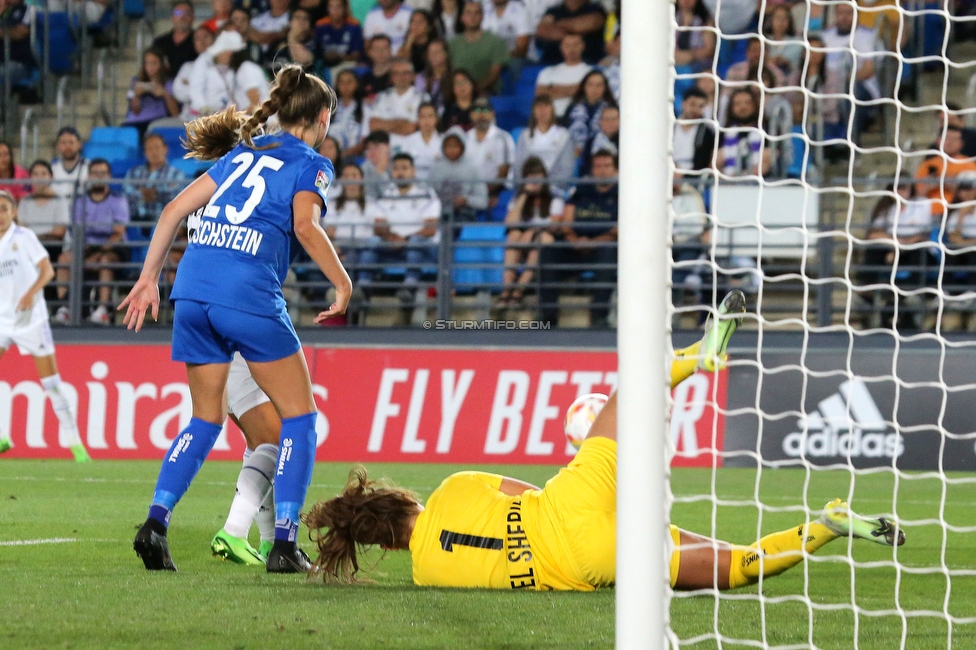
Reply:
x=485 y=530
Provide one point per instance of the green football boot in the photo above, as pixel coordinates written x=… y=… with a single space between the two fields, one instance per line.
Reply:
x=265 y=548
x=235 y=549
x=5 y=445
x=718 y=331
x=839 y=518
x=80 y=454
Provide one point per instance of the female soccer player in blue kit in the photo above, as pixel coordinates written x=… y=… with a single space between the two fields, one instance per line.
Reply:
x=227 y=293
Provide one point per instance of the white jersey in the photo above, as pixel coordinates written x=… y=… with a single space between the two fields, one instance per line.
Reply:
x=424 y=153
x=511 y=25
x=406 y=213
x=20 y=253
x=488 y=155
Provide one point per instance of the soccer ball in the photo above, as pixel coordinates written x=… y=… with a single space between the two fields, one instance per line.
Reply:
x=580 y=416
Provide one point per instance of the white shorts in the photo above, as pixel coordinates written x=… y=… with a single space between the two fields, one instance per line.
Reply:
x=35 y=339
x=243 y=393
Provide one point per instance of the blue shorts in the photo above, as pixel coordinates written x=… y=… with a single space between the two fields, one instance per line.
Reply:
x=206 y=333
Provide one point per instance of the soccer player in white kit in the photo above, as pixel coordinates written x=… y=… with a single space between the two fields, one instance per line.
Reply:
x=253 y=502
x=25 y=269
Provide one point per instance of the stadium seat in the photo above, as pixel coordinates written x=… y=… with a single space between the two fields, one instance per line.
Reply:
x=492 y=253
x=62 y=42
x=126 y=136
x=507 y=113
x=525 y=90
x=500 y=211
x=799 y=151
x=113 y=153
x=133 y=8
x=120 y=167
x=525 y=85
x=173 y=136
x=190 y=166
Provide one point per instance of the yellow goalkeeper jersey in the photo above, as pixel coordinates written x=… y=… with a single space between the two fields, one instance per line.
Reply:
x=559 y=538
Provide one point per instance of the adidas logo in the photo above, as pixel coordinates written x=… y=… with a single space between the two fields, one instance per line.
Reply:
x=846 y=424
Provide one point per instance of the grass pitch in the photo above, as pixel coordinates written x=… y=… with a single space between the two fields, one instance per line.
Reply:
x=90 y=590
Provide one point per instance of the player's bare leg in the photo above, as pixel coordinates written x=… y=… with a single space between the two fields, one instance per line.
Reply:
x=286 y=383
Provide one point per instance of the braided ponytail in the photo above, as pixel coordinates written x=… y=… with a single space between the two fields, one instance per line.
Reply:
x=285 y=85
x=367 y=513
x=296 y=98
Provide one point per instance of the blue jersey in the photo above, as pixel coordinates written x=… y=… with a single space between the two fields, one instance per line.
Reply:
x=238 y=255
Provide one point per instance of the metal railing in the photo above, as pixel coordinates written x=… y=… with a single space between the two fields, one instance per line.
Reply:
x=466 y=278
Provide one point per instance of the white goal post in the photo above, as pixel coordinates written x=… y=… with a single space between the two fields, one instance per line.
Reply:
x=643 y=322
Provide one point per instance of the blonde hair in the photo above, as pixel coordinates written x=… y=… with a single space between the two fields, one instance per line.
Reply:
x=297 y=98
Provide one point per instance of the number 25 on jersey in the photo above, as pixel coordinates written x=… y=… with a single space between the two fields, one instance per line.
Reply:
x=253 y=181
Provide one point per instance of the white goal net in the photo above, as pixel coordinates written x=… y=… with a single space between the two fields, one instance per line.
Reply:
x=824 y=165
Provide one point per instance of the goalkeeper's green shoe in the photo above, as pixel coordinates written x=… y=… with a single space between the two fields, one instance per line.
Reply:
x=837 y=516
x=5 y=446
x=235 y=549
x=718 y=331
x=265 y=548
x=80 y=453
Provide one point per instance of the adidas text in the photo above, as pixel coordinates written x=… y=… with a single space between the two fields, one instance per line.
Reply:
x=846 y=424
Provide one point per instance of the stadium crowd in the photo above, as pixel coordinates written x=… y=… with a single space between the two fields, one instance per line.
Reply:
x=486 y=110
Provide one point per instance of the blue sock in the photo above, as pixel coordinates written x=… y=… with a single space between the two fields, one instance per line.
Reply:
x=180 y=465
x=296 y=458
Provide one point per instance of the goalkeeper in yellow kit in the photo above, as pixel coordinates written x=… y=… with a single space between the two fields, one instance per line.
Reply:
x=489 y=531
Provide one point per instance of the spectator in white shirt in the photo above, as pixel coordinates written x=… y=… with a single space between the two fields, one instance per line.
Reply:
x=454 y=178
x=70 y=170
x=510 y=20
x=960 y=231
x=547 y=141
x=560 y=82
x=424 y=144
x=378 y=163
x=490 y=149
x=449 y=14
x=183 y=89
x=395 y=110
x=270 y=27
x=733 y=16
x=405 y=219
x=388 y=17
x=345 y=221
x=44 y=212
x=232 y=79
x=347 y=119
x=839 y=40
x=899 y=222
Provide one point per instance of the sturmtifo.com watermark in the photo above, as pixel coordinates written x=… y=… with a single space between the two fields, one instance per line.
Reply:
x=486 y=325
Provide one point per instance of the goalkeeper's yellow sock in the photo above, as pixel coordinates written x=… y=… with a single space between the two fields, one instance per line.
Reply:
x=685 y=363
x=780 y=551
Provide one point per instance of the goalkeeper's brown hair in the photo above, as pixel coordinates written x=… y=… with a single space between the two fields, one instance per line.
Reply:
x=367 y=513
x=297 y=98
